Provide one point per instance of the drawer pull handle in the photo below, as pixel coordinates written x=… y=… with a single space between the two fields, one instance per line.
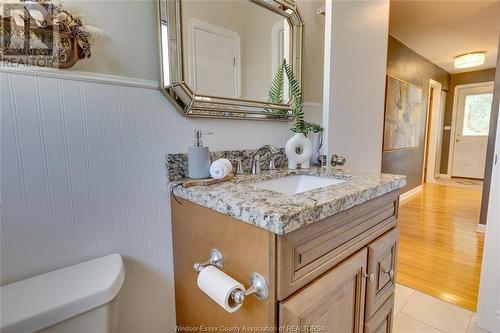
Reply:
x=391 y=273
x=371 y=277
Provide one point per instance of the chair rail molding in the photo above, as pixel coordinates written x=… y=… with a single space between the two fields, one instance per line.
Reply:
x=79 y=76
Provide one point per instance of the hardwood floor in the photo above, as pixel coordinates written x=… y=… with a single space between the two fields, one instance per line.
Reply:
x=439 y=252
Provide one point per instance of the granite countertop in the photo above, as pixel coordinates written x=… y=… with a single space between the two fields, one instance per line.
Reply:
x=280 y=213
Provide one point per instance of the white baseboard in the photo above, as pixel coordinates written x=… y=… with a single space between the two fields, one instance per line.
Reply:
x=445 y=176
x=481 y=228
x=407 y=195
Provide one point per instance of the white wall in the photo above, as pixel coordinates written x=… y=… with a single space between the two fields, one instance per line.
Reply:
x=488 y=311
x=313 y=51
x=489 y=292
x=129 y=43
x=356 y=37
x=83 y=175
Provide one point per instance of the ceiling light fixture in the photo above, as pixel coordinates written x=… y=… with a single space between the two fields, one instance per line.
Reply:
x=470 y=60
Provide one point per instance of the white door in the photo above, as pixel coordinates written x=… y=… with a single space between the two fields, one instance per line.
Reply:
x=214 y=60
x=471 y=131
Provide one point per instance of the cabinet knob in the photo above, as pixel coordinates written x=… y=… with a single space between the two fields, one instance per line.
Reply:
x=391 y=273
x=370 y=277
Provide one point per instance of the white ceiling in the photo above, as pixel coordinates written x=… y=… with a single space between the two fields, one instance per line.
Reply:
x=439 y=30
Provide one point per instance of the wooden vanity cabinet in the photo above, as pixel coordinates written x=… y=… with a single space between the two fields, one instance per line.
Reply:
x=382 y=320
x=336 y=275
x=334 y=301
x=382 y=259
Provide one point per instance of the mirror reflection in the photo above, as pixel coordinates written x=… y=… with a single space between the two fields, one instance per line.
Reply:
x=232 y=48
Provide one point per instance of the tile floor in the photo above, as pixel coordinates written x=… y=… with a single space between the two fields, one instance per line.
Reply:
x=416 y=312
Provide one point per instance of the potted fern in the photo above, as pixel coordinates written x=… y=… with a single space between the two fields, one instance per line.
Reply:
x=298 y=149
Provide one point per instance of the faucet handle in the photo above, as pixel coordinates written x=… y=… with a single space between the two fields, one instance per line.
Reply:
x=256 y=164
x=239 y=167
x=272 y=162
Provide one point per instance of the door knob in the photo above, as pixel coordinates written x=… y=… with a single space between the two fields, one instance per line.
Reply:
x=337 y=160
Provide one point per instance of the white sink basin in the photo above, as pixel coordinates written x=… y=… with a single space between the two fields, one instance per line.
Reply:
x=296 y=184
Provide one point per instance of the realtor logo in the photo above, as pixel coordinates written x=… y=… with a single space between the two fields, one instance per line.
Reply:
x=26 y=38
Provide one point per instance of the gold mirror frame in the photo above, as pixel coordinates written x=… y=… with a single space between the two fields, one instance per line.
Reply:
x=191 y=104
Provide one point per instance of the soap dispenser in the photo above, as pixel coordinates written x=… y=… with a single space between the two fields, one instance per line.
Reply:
x=198 y=158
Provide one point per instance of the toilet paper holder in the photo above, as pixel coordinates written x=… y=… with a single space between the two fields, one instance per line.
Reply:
x=258 y=284
x=214 y=259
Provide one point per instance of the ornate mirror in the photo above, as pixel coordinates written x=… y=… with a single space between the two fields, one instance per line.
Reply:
x=218 y=58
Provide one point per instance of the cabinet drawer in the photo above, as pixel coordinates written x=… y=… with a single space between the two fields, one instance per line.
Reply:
x=382 y=259
x=382 y=320
x=306 y=253
x=333 y=303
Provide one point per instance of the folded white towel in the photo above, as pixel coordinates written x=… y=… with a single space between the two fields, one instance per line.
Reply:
x=220 y=168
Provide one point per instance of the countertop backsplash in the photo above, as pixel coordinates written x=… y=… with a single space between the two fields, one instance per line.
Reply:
x=177 y=164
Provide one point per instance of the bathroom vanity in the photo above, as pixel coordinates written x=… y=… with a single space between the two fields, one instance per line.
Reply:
x=328 y=254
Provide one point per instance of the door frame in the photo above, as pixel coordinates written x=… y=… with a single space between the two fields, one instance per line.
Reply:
x=432 y=130
x=454 y=117
x=194 y=24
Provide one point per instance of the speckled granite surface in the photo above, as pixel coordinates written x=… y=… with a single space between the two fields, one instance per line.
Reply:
x=280 y=213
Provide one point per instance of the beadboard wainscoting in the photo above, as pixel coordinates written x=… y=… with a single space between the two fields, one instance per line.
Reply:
x=83 y=175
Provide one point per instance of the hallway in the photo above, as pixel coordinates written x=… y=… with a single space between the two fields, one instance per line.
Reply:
x=439 y=252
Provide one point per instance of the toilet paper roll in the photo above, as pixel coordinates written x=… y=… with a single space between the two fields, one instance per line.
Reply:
x=219 y=286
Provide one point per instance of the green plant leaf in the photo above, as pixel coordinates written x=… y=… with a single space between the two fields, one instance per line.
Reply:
x=275 y=95
x=297 y=100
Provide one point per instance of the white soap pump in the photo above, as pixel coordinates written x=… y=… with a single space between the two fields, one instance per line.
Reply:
x=198 y=158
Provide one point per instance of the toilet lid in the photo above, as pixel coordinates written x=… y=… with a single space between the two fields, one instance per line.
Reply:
x=44 y=300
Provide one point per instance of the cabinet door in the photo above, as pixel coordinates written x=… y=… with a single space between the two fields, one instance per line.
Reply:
x=382 y=258
x=381 y=321
x=333 y=303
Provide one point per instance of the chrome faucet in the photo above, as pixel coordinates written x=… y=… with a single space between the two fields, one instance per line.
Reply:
x=256 y=158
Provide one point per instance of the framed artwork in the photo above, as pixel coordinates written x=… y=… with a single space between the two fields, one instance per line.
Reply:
x=403 y=112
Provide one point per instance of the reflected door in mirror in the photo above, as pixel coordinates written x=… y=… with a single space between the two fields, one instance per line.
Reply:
x=233 y=48
x=214 y=60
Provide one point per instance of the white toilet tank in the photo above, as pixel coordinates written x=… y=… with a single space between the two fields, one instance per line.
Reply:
x=76 y=299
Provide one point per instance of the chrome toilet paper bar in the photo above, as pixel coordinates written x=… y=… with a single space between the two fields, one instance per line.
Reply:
x=258 y=284
x=258 y=287
x=215 y=259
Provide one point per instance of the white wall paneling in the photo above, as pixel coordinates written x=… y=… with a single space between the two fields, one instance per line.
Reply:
x=83 y=175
